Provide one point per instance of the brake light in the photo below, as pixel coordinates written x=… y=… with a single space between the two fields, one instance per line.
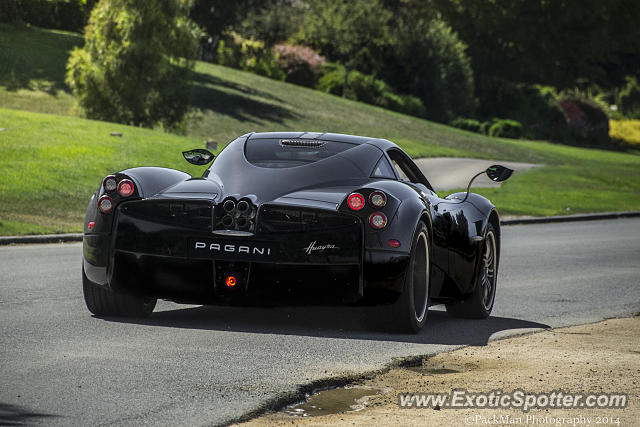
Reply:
x=378 y=220
x=110 y=184
x=125 y=188
x=378 y=199
x=230 y=281
x=105 y=204
x=355 y=201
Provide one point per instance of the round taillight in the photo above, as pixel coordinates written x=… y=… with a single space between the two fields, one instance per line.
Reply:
x=126 y=188
x=105 y=204
x=378 y=199
x=110 y=184
x=355 y=201
x=378 y=220
x=230 y=281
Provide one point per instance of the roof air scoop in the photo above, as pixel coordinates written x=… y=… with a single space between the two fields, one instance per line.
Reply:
x=301 y=143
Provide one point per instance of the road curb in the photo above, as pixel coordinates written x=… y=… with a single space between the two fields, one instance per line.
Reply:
x=43 y=238
x=570 y=218
x=77 y=237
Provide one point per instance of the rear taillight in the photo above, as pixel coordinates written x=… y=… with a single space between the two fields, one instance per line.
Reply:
x=378 y=220
x=105 y=204
x=355 y=201
x=110 y=184
x=125 y=188
x=378 y=199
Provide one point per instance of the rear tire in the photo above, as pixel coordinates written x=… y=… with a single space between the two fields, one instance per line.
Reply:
x=104 y=302
x=409 y=313
x=479 y=304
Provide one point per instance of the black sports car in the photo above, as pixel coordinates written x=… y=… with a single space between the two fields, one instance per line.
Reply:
x=310 y=217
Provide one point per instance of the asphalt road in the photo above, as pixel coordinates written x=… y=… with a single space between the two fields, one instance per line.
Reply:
x=209 y=365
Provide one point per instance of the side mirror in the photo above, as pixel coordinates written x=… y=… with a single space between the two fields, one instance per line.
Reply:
x=498 y=173
x=198 y=157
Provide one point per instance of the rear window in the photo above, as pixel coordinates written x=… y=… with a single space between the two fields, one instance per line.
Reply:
x=286 y=153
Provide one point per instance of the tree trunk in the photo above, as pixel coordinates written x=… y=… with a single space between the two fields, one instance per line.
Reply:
x=346 y=82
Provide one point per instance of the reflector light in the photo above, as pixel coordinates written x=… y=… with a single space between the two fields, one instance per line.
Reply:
x=378 y=199
x=378 y=220
x=230 y=281
x=91 y=225
x=125 y=188
x=355 y=201
x=394 y=243
x=110 y=183
x=105 y=204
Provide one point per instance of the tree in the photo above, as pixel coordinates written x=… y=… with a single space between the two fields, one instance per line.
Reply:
x=134 y=66
x=353 y=33
x=429 y=61
x=562 y=43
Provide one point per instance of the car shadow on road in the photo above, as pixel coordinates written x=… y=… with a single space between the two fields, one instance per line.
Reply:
x=333 y=322
x=15 y=415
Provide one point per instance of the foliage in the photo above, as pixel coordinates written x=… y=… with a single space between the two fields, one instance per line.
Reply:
x=558 y=43
x=429 y=61
x=625 y=131
x=505 y=128
x=353 y=33
x=134 y=67
x=413 y=52
x=248 y=55
x=587 y=119
x=534 y=106
x=472 y=125
x=302 y=64
x=272 y=21
x=629 y=99
x=367 y=88
x=218 y=16
x=67 y=15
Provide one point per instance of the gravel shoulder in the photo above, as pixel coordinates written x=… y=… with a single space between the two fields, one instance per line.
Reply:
x=602 y=357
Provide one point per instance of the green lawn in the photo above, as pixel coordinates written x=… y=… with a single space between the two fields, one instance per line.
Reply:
x=52 y=163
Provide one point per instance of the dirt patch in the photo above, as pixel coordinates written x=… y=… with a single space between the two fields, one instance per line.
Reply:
x=597 y=358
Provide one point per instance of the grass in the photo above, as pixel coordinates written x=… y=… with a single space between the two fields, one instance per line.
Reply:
x=52 y=162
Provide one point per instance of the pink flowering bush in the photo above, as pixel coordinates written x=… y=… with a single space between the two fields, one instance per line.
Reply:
x=301 y=64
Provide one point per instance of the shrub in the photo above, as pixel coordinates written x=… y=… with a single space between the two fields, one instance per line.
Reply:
x=533 y=106
x=587 y=120
x=67 y=15
x=332 y=79
x=629 y=99
x=134 y=66
x=428 y=60
x=366 y=88
x=627 y=131
x=248 y=55
x=301 y=64
x=505 y=128
x=471 y=125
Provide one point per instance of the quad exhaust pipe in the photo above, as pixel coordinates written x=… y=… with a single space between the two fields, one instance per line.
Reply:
x=237 y=215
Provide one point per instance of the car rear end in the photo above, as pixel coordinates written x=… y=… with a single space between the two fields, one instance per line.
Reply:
x=197 y=251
